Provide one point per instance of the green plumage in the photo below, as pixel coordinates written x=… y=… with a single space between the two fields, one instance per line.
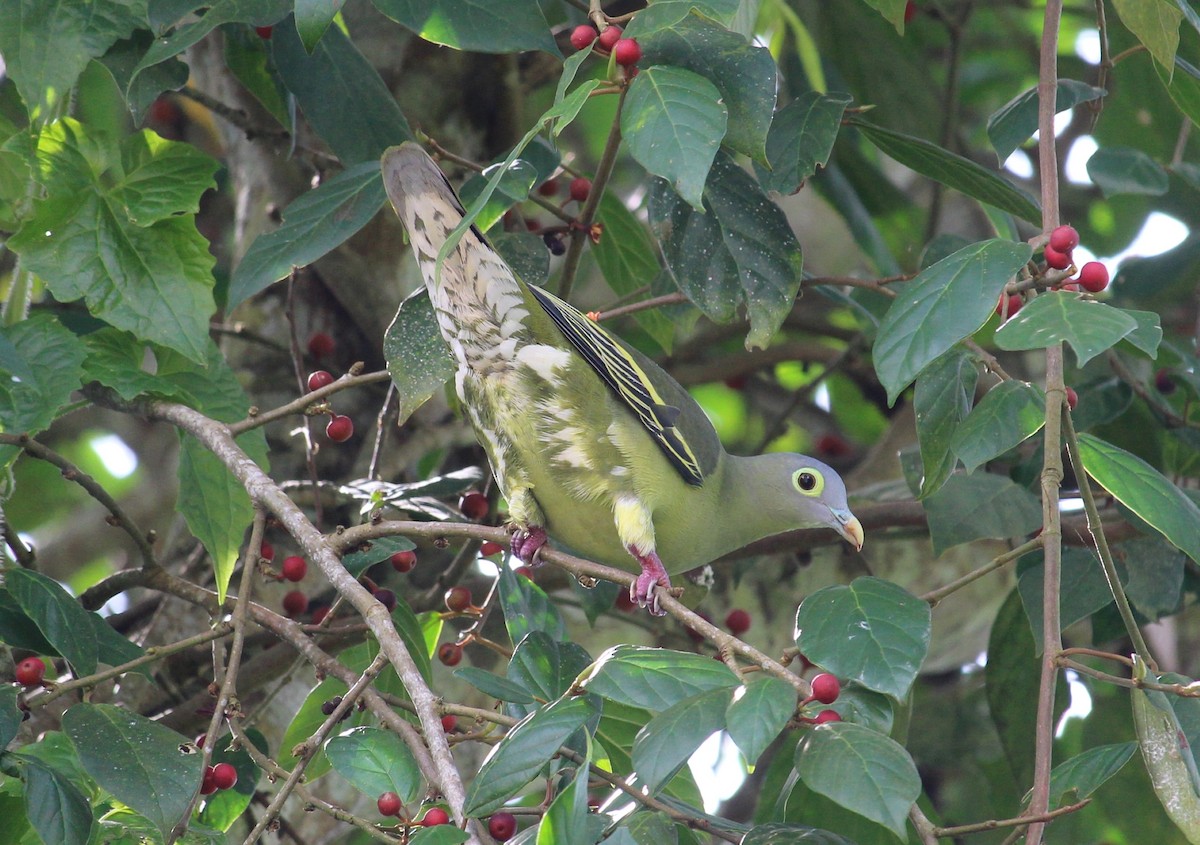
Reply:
x=590 y=442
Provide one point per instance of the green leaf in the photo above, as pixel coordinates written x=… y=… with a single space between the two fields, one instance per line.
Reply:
x=248 y=58
x=743 y=73
x=494 y=686
x=1148 y=334
x=666 y=13
x=1124 y=170
x=1089 y=327
x=136 y=760
x=19 y=630
x=741 y=250
x=112 y=648
x=945 y=303
x=941 y=401
x=1156 y=569
x=970 y=507
x=215 y=506
x=1156 y=25
x=442 y=834
x=892 y=11
x=663 y=747
x=546 y=668
x=782 y=833
x=1014 y=123
x=758 y=712
x=55 y=807
x=646 y=827
x=801 y=140
x=520 y=756
x=313 y=226
x=121 y=61
x=865 y=707
x=63 y=623
x=673 y=122
x=654 y=678
x=526 y=254
x=336 y=74
x=376 y=551
x=527 y=607
x=10 y=715
x=224 y=807
x=416 y=354
x=1012 y=675
x=626 y=257
x=870 y=631
x=516 y=181
x=313 y=17
x=1168 y=761
x=415 y=633
x=567 y=818
x=1084 y=590
x=863 y=771
x=475 y=26
x=1145 y=491
x=41 y=371
x=1008 y=414
x=308 y=718
x=116 y=359
x=1084 y=773
x=952 y=170
x=375 y=761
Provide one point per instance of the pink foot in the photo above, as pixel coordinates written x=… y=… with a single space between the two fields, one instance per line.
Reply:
x=526 y=542
x=642 y=593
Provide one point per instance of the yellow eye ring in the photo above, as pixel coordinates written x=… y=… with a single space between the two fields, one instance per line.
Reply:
x=809 y=481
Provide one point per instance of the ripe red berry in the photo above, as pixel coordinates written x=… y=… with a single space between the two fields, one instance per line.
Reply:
x=386 y=598
x=320 y=345
x=450 y=654
x=623 y=602
x=580 y=188
x=294 y=568
x=828 y=716
x=524 y=572
x=1014 y=304
x=224 y=775
x=388 y=804
x=627 y=52
x=435 y=816
x=404 y=561
x=449 y=722
x=340 y=428
x=582 y=35
x=319 y=613
x=910 y=11
x=474 y=505
x=295 y=603
x=458 y=598
x=738 y=622
x=1072 y=399
x=610 y=37
x=1163 y=381
x=502 y=826
x=825 y=688
x=1093 y=277
x=264 y=32
x=266 y=551
x=1064 y=239
x=489 y=548
x=548 y=188
x=319 y=379
x=737 y=382
x=30 y=672
x=532 y=225
x=1056 y=259
x=832 y=446
x=208 y=784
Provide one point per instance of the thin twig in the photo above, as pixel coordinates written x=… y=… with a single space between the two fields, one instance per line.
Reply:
x=935 y=596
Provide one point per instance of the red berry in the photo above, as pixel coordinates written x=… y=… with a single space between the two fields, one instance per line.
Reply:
x=828 y=716
x=340 y=428
x=388 y=804
x=1014 y=304
x=320 y=345
x=474 y=505
x=548 y=188
x=738 y=622
x=435 y=816
x=386 y=598
x=825 y=688
x=624 y=602
x=458 y=598
x=319 y=613
x=224 y=775
x=450 y=654
x=264 y=32
x=1071 y=286
x=164 y=111
x=833 y=446
x=1093 y=277
x=266 y=551
x=208 y=784
x=1163 y=381
x=502 y=826
x=449 y=722
x=524 y=572
x=318 y=379
x=30 y=672
x=295 y=603
x=1072 y=399
x=1056 y=259
x=737 y=382
x=582 y=35
x=489 y=548
x=580 y=188
x=910 y=11
x=294 y=568
x=610 y=37
x=1064 y=239
x=404 y=561
x=627 y=52
x=532 y=225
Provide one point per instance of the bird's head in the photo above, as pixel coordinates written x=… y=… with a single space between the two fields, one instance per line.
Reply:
x=803 y=492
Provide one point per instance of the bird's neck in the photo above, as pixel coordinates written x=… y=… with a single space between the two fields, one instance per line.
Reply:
x=749 y=509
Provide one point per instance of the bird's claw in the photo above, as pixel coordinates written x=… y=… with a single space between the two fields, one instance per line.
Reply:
x=643 y=592
x=527 y=544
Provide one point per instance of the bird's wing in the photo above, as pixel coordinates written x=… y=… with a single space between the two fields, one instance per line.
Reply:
x=627 y=379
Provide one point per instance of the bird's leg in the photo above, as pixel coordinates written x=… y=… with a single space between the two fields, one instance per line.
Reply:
x=527 y=542
x=653 y=575
x=527 y=520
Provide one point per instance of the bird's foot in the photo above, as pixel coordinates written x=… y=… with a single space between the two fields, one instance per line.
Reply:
x=527 y=542
x=642 y=593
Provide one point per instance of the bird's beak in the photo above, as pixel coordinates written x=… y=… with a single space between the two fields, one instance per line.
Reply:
x=847 y=524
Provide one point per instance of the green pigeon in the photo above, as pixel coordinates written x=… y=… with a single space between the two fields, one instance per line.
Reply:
x=592 y=444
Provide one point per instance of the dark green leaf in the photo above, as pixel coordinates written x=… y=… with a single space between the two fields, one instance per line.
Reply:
x=1008 y=414
x=892 y=10
x=306 y=721
x=495 y=686
x=944 y=304
x=970 y=507
x=248 y=58
x=1124 y=170
x=1144 y=490
x=377 y=551
x=313 y=18
x=43 y=370
x=1012 y=675
x=1014 y=123
x=1155 y=570
x=442 y=834
x=1084 y=591
x=527 y=608
x=781 y=833
x=56 y=809
x=546 y=668
x=525 y=253
x=136 y=760
x=18 y=630
x=518 y=758
x=670 y=738
x=952 y=170
x=759 y=711
x=941 y=401
x=648 y=828
x=871 y=631
x=1148 y=334
x=111 y=647
x=140 y=92
x=567 y=818
x=116 y=359
x=655 y=678
x=801 y=140
x=313 y=225
x=627 y=260
x=863 y=771
x=516 y=181
x=665 y=13
x=673 y=122
x=375 y=761
x=10 y=715
x=417 y=357
x=865 y=707
x=415 y=635
x=475 y=26
x=63 y=623
x=1083 y=774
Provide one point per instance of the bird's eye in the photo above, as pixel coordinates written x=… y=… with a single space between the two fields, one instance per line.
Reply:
x=808 y=481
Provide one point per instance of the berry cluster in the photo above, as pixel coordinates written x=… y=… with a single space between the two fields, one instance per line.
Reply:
x=220 y=776
x=1093 y=276
x=625 y=51
x=825 y=689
